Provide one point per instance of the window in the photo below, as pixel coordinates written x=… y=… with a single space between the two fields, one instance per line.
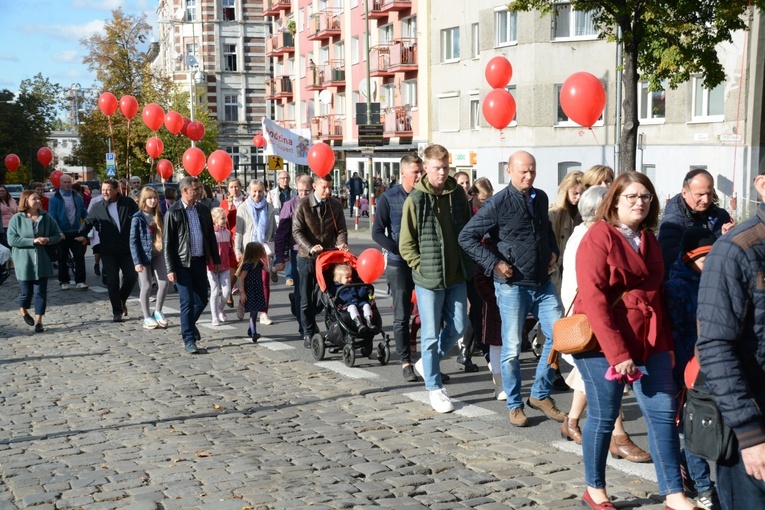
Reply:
x=385 y=33
x=409 y=27
x=708 y=105
x=192 y=49
x=234 y=152
x=505 y=27
x=475 y=112
x=561 y=118
x=449 y=113
x=228 y=10
x=475 y=50
x=409 y=92
x=650 y=172
x=450 y=44
x=355 y=49
x=229 y=57
x=231 y=108
x=303 y=113
x=340 y=103
x=387 y=95
x=290 y=66
x=566 y=167
x=191 y=10
x=569 y=23
x=512 y=90
x=338 y=52
x=651 y=105
x=323 y=55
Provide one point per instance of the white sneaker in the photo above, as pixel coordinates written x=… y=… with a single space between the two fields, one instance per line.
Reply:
x=222 y=317
x=265 y=319
x=215 y=322
x=440 y=401
x=65 y=286
x=499 y=392
x=81 y=286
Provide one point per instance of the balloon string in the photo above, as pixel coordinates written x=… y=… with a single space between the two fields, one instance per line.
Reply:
x=127 y=152
x=594 y=136
x=111 y=142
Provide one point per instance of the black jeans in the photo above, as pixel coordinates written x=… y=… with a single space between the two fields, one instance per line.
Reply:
x=113 y=264
x=307 y=287
x=475 y=318
x=78 y=255
x=401 y=287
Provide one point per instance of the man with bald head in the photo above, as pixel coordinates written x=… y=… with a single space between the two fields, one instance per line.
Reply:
x=68 y=209
x=694 y=206
x=523 y=253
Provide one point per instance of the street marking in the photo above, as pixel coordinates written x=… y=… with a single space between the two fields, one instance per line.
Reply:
x=353 y=373
x=645 y=471
x=100 y=290
x=167 y=309
x=273 y=344
x=467 y=410
x=216 y=328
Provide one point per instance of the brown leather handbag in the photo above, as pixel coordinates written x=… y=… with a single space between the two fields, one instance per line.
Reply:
x=573 y=334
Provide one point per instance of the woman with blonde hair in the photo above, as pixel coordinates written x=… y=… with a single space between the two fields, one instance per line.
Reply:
x=564 y=216
x=598 y=175
x=146 y=250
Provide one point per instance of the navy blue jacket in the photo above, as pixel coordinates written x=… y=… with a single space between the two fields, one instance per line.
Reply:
x=731 y=317
x=678 y=218
x=387 y=224
x=523 y=240
x=57 y=210
x=351 y=295
x=140 y=240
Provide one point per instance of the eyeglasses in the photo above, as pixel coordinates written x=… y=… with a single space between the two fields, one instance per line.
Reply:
x=632 y=199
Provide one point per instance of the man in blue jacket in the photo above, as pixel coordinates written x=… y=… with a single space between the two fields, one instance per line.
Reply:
x=731 y=349
x=385 y=232
x=524 y=253
x=68 y=209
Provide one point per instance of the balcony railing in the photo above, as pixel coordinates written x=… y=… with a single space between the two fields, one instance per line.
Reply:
x=379 y=60
x=286 y=124
x=403 y=54
x=325 y=24
x=334 y=73
x=280 y=43
x=327 y=127
x=394 y=5
x=397 y=121
x=272 y=7
x=279 y=87
x=314 y=76
x=375 y=10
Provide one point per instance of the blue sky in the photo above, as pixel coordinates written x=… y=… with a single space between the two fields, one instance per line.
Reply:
x=43 y=36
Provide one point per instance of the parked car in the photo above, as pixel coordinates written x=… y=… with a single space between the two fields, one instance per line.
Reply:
x=15 y=191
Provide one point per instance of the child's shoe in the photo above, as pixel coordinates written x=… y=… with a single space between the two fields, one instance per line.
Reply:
x=360 y=326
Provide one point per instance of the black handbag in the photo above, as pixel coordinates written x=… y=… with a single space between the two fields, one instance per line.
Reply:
x=706 y=433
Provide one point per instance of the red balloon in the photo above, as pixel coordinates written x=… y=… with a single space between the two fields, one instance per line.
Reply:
x=12 y=162
x=154 y=147
x=194 y=161
x=185 y=127
x=498 y=108
x=370 y=265
x=220 y=165
x=55 y=178
x=45 y=156
x=153 y=116
x=128 y=106
x=107 y=103
x=321 y=158
x=583 y=98
x=195 y=130
x=498 y=72
x=259 y=141
x=174 y=122
x=165 y=168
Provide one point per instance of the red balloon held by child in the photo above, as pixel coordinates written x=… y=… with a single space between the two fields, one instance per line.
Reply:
x=321 y=159
x=370 y=265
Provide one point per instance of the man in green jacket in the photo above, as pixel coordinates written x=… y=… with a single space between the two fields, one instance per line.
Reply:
x=433 y=216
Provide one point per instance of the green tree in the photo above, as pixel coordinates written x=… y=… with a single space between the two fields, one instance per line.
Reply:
x=667 y=40
x=26 y=122
x=123 y=68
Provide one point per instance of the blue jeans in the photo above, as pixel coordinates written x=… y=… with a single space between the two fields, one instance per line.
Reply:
x=515 y=302
x=655 y=394
x=736 y=489
x=38 y=288
x=288 y=269
x=451 y=305
x=192 y=286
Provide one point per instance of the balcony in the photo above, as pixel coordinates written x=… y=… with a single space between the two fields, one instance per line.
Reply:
x=273 y=7
x=286 y=124
x=397 y=121
x=403 y=55
x=394 y=5
x=279 y=88
x=327 y=127
x=314 y=76
x=325 y=24
x=280 y=43
x=375 y=10
x=334 y=74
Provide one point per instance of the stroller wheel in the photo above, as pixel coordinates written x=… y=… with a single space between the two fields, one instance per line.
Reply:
x=317 y=347
x=349 y=356
x=383 y=353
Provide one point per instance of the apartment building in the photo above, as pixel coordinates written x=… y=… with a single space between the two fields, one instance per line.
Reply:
x=215 y=49
x=320 y=63
x=688 y=127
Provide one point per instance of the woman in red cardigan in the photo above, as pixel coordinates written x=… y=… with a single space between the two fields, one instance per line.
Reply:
x=619 y=271
x=234 y=199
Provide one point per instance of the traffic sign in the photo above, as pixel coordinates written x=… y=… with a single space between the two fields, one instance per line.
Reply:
x=111 y=172
x=370 y=129
x=111 y=165
x=275 y=163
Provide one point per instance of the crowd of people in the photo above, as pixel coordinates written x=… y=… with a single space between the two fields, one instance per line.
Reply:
x=479 y=264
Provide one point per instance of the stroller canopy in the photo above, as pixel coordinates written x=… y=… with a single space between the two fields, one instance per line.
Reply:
x=327 y=259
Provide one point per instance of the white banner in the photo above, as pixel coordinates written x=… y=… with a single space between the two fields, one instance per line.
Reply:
x=286 y=143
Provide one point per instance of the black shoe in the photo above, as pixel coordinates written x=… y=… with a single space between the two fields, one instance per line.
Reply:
x=29 y=320
x=97 y=270
x=470 y=366
x=255 y=338
x=118 y=318
x=124 y=308
x=307 y=341
x=360 y=326
x=197 y=334
x=39 y=328
x=559 y=383
x=230 y=302
x=103 y=280
x=409 y=375
x=445 y=378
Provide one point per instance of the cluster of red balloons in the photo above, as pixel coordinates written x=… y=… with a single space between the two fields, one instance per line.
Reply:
x=583 y=98
x=499 y=105
x=219 y=164
x=321 y=158
x=370 y=265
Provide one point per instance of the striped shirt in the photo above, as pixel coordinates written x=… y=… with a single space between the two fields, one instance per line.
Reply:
x=195 y=230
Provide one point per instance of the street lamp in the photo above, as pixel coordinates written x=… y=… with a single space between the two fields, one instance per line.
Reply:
x=76 y=95
x=195 y=78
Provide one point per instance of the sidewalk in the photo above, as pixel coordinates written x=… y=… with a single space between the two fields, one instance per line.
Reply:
x=103 y=415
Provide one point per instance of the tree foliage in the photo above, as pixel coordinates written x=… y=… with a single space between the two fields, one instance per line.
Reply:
x=124 y=68
x=26 y=122
x=665 y=40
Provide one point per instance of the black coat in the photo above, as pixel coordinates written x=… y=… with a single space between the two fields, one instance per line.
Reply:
x=176 y=240
x=115 y=239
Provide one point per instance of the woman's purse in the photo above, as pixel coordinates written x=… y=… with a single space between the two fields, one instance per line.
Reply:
x=572 y=334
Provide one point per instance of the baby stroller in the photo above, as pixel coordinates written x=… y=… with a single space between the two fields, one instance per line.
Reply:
x=341 y=332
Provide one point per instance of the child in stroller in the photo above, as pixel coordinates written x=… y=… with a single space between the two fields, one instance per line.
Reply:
x=350 y=298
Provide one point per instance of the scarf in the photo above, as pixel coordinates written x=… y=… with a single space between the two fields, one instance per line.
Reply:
x=259 y=213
